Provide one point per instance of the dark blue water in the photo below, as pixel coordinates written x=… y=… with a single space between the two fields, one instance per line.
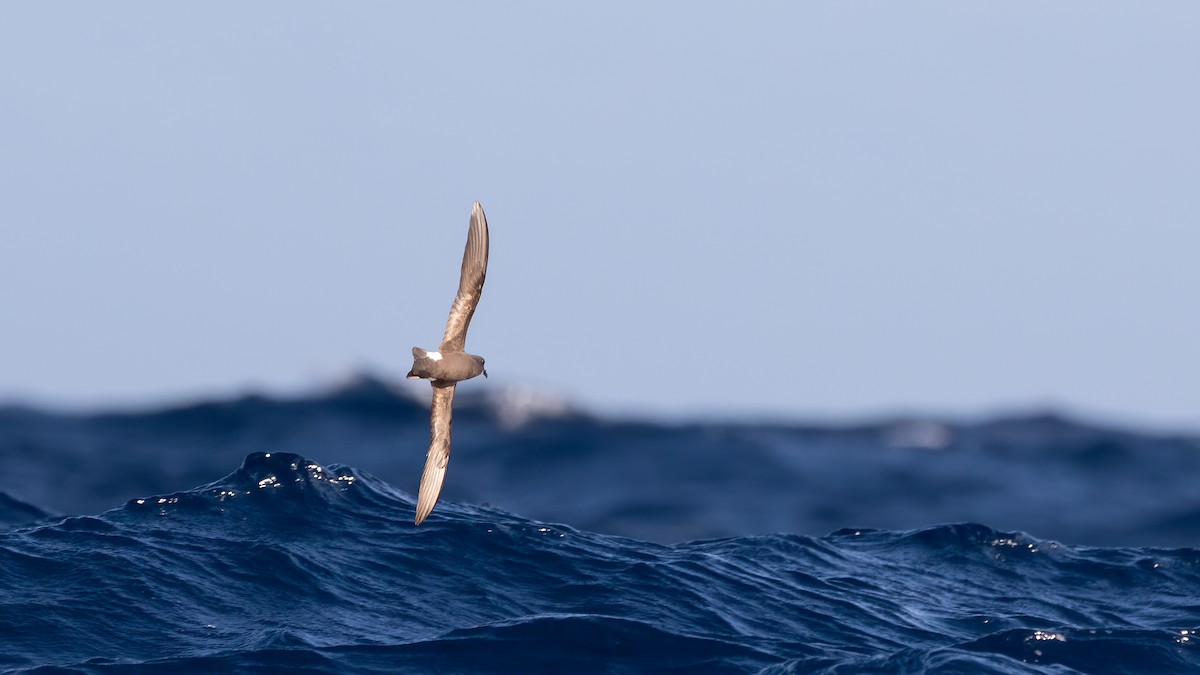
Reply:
x=288 y=566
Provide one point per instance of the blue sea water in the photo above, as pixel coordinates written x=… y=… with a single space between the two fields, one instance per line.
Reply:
x=286 y=565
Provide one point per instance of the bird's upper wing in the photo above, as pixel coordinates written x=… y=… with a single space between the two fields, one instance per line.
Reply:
x=439 y=448
x=470 y=284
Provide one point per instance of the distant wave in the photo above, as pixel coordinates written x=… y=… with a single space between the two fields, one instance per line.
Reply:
x=289 y=566
x=1044 y=474
x=13 y=511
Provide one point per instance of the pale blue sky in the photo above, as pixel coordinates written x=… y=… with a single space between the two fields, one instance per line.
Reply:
x=784 y=209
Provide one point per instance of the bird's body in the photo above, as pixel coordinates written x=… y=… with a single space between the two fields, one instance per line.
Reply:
x=445 y=366
x=450 y=364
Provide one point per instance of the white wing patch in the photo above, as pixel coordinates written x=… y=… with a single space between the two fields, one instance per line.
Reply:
x=434 y=356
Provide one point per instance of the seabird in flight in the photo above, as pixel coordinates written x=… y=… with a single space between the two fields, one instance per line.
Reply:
x=450 y=364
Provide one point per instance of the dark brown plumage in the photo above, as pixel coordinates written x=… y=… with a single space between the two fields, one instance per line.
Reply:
x=450 y=364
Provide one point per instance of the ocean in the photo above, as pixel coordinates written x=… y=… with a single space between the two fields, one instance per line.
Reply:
x=271 y=535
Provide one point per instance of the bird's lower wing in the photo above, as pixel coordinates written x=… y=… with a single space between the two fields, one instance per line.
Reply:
x=439 y=448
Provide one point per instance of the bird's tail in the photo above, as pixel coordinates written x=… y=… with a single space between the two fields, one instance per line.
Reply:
x=419 y=355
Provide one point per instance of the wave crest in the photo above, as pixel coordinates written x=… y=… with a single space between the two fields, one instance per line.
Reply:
x=284 y=557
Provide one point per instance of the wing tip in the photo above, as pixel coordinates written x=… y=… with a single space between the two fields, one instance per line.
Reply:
x=431 y=484
x=420 y=518
x=425 y=505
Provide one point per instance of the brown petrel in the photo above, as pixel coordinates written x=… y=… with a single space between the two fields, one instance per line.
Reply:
x=450 y=364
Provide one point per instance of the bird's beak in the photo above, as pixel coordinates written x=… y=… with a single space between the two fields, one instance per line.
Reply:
x=485 y=374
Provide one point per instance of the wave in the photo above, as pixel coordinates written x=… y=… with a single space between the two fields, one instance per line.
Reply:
x=659 y=482
x=14 y=511
x=289 y=566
